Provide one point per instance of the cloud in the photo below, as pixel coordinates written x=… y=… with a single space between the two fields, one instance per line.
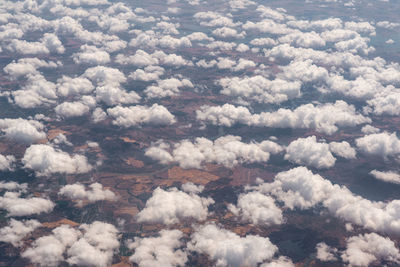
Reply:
x=71 y=109
x=25 y=66
x=227 y=150
x=389 y=176
x=166 y=88
x=325 y=252
x=309 y=152
x=171 y=206
x=380 y=144
x=362 y=250
x=46 y=160
x=13 y=186
x=22 y=131
x=67 y=86
x=17 y=230
x=342 y=149
x=300 y=188
x=257 y=209
x=7 y=162
x=326 y=118
x=138 y=115
x=17 y=206
x=260 y=89
x=228 y=249
x=91 y=55
x=149 y=73
x=77 y=192
x=93 y=245
x=163 y=250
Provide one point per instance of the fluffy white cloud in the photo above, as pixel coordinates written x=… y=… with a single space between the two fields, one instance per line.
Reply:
x=21 y=130
x=164 y=250
x=114 y=95
x=17 y=206
x=309 y=152
x=227 y=150
x=7 y=162
x=342 y=149
x=149 y=73
x=380 y=144
x=325 y=252
x=137 y=115
x=165 y=88
x=326 y=118
x=17 y=230
x=257 y=209
x=171 y=206
x=389 y=176
x=78 y=192
x=300 y=188
x=260 y=89
x=67 y=86
x=71 y=109
x=228 y=249
x=46 y=160
x=93 y=245
x=25 y=66
x=91 y=55
x=362 y=250
x=13 y=186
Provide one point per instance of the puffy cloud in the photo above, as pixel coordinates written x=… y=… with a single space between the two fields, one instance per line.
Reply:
x=48 y=250
x=268 y=42
x=257 y=209
x=325 y=252
x=362 y=250
x=342 y=149
x=380 y=144
x=300 y=188
x=25 y=66
x=227 y=150
x=67 y=86
x=303 y=39
x=280 y=262
x=78 y=192
x=17 y=230
x=149 y=73
x=226 y=32
x=45 y=160
x=140 y=59
x=71 y=109
x=137 y=115
x=305 y=71
x=36 y=92
x=267 y=26
x=158 y=151
x=260 y=89
x=91 y=55
x=171 y=206
x=17 y=206
x=13 y=186
x=96 y=247
x=105 y=75
x=6 y=162
x=309 y=152
x=213 y=19
x=228 y=249
x=163 y=250
x=165 y=88
x=326 y=118
x=21 y=130
x=93 y=245
x=390 y=177
x=114 y=95
x=387 y=104
x=368 y=129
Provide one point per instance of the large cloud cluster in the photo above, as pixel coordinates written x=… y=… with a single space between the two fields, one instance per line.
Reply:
x=93 y=245
x=227 y=150
x=300 y=188
x=164 y=250
x=17 y=230
x=228 y=249
x=325 y=118
x=15 y=205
